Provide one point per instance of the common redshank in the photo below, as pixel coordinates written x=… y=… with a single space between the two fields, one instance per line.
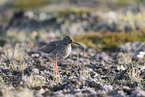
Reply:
x=58 y=50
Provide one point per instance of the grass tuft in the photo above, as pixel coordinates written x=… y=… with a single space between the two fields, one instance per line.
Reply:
x=14 y=53
x=134 y=74
x=34 y=81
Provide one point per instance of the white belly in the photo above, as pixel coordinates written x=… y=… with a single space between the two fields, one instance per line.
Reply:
x=68 y=50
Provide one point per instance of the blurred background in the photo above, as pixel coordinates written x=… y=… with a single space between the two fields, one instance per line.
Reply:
x=110 y=61
x=101 y=24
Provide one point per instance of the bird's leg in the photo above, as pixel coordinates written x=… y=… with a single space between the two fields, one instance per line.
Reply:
x=56 y=68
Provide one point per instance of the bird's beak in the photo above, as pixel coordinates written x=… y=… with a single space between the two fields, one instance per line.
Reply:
x=76 y=43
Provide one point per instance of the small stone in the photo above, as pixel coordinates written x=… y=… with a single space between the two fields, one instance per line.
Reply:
x=138 y=93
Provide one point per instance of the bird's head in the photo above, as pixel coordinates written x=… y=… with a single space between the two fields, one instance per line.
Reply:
x=68 y=40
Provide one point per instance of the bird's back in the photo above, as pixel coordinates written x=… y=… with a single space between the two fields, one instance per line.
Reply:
x=50 y=47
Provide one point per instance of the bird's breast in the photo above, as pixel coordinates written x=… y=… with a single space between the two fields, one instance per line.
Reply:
x=65 y=51
x=68 y=50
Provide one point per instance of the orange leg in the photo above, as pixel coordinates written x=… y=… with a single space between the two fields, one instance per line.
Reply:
x=56 y=68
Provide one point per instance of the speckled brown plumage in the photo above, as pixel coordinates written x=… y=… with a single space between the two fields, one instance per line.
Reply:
x=58 y=50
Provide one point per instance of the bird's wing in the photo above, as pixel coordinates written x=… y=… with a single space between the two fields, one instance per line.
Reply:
x=49 y=47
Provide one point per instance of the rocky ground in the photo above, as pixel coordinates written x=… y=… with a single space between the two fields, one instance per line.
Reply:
x=85 y=72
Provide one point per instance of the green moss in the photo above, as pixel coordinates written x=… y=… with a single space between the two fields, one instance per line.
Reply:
x=74 y=11
x=126 y=2
x=109 y=40
x=27 y=4
x=122 y=2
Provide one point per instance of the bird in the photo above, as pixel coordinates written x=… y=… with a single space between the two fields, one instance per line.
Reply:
x=58 y=50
